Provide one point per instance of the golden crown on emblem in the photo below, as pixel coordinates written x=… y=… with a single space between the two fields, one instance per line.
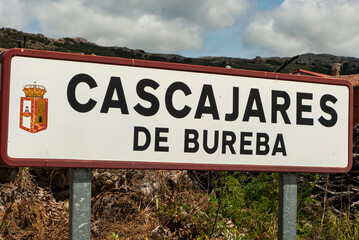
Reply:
x=34 y=90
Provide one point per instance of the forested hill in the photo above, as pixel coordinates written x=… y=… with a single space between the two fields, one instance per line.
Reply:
x=10 y=38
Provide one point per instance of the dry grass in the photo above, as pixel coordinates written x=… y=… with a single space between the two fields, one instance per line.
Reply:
x=31 y=212
x=128 y=204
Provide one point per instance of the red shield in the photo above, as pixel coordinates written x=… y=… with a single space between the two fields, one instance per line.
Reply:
x=33 y=114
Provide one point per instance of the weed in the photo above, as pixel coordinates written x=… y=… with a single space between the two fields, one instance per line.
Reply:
x=115 y=236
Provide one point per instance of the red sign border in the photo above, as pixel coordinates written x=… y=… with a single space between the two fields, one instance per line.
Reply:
x=72 y=163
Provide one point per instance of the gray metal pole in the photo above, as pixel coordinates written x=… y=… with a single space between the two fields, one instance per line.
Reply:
x=287 y=211
x=80 y=204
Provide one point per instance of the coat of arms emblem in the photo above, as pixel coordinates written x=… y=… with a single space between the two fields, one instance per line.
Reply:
x=33 y=108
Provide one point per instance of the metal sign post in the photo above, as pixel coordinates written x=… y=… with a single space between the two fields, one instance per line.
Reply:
x=287 y=210
x=80 y=203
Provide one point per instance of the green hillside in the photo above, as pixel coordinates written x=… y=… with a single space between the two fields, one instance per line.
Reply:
x=11 y=38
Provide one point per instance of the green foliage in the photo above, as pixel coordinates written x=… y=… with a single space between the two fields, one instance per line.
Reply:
x=249 y=206
x=185 y=214
x=115 y=236
x=274 y=62
x=245 y=206
x=241 y=207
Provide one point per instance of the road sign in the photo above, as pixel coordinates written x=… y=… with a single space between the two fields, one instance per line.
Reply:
x=73 y=110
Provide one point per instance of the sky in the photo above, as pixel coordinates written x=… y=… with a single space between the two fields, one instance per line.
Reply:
x=195 y=28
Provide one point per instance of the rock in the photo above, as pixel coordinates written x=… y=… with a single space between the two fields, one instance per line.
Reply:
x=148 y=183
x=160 y=233
x=176 y=177
x=105 y=181
x=114 y=206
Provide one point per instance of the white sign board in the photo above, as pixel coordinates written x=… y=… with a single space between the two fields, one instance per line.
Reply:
x=68 y=110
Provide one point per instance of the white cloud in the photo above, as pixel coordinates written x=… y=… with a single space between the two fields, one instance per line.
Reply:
x=152 y=25
x=300 y=26
x=11 y=14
